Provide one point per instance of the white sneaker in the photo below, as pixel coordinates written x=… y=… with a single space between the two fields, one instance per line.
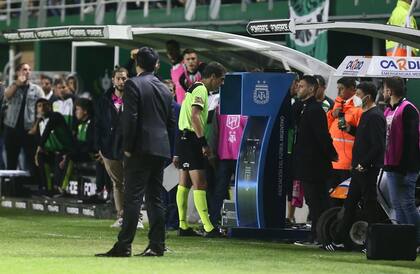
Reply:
x=140 y=224
x=118 y=223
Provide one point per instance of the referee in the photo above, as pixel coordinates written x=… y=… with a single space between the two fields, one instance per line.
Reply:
x=192 y=149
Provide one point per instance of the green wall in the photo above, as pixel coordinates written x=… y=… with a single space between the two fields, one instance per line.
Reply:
x=92 y=64
x=4 y=56
x=53 y=56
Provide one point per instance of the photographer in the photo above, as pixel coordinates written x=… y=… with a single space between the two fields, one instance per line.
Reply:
x=343 y=120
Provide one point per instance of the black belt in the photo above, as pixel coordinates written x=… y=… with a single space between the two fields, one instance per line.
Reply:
x=185 y=133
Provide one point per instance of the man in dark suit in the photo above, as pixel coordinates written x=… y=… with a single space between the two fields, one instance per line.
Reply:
x=147 y=117
x=313 y=150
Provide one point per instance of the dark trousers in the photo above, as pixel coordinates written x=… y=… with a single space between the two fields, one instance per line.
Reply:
x=316 y=198
x=2 y=163
x=14 y=141
x=362 y=189
x=102 y=178
x=169 y=199
x=52 y=160
x=143 y=174
x=225 y=170
x=211 y=184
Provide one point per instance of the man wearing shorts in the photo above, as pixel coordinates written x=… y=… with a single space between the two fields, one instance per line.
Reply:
x=192 y=149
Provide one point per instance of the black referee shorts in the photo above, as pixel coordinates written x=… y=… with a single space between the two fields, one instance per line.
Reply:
x=190 y=152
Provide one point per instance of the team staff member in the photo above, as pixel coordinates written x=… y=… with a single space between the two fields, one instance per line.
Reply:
x=368 y=157
x=192 y=72
x=147 y=118
x=193 y=149
x=313 y=151
x=109 y=137
x=402 y=154
x=173 y=52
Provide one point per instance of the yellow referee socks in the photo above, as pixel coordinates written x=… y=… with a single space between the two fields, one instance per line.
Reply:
x=200 y=202
x=182 y=204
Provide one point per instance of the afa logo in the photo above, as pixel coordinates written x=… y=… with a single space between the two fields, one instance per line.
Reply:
x=261 y=93
x=400 y=64
x=233 y=121
x=355 y=65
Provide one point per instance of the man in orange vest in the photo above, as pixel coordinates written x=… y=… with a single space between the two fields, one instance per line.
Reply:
x=343 y=120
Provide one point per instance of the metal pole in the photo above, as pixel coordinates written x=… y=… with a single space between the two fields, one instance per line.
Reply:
x=116 y=56
x=73 y=58
x=82 y=8
x=9 y=6
x=63 y=11
x=11 y=63
x=168 y=7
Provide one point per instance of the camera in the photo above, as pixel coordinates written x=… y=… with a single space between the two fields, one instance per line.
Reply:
x=341 y=121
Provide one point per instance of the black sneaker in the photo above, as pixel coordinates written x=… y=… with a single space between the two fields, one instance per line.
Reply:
x=215 y=233
x=189 y=232
x=150 y=252
x=333 y=247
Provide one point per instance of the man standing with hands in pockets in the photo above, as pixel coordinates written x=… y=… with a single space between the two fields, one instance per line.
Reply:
x=147 y=116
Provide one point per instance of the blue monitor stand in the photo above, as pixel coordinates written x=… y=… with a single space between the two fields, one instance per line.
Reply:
x=261 y=170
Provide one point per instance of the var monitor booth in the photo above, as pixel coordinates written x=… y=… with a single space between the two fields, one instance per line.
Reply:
x=263 y=163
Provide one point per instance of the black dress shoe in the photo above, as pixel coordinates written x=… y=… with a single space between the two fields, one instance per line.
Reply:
x=149 y=252
x=214 y=233
x=116 y=252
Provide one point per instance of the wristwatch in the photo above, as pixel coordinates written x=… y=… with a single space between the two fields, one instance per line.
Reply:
x=360 y=168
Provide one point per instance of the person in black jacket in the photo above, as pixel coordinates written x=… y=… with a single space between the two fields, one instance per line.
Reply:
x=55 y=144
x=147 y=118
x=108 y=137
x=313 y=150
x=368 y=158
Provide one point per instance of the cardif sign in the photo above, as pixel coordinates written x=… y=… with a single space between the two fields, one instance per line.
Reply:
x=406 y=67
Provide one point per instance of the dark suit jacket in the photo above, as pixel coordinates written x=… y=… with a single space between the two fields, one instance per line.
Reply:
x=313 y=151
x=147 y=116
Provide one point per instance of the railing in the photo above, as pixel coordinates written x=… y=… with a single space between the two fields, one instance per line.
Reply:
x=41 y=9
